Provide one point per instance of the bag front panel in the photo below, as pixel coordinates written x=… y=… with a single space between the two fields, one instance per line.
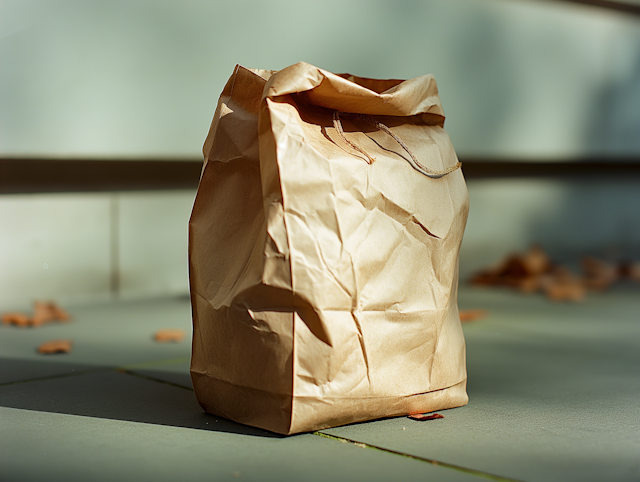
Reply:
x=374 y=252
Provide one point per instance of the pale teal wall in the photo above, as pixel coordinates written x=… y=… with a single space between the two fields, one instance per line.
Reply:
x=140 y=78
x=113 y=78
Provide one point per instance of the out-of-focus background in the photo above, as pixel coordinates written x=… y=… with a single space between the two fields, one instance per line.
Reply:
x=550 y=89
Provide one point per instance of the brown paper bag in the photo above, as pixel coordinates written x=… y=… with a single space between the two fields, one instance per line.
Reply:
x=323 y=250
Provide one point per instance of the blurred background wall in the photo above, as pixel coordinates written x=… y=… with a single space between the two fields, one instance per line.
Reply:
x=520 y=80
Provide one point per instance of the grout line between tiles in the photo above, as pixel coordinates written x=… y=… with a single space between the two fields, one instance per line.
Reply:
x=140 y=366
x=86 y=371
x=459 y=468
x=60 y=375
x=153 y=379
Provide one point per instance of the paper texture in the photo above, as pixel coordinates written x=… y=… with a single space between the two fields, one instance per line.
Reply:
x=324 y=288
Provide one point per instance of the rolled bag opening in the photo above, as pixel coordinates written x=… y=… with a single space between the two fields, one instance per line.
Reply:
x=358 y=95
x=349 y=95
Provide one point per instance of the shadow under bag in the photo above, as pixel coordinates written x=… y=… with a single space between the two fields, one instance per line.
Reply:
x=323 y=252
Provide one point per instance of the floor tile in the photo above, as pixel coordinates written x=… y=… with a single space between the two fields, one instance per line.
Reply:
x=553 y=393
x=104 y=335
x=13 y=370
x=172 y=371
x=115 y=426
x=108 y=394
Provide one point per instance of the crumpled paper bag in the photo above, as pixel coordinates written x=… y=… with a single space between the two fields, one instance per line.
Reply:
x=323 y=260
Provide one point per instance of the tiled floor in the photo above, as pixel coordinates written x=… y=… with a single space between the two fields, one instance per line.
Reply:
x=555 y=395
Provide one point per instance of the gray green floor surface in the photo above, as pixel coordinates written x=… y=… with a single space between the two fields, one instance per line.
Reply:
x=554 y=396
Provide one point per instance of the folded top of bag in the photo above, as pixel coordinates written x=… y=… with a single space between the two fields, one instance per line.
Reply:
x=348 y=93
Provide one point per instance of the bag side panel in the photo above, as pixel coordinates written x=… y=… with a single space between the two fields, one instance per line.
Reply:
x=241 y=363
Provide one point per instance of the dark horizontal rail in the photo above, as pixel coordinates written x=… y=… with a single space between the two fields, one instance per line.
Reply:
x=578 y=168
x=87 y=175
x=624 y=7
x=65 y=175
